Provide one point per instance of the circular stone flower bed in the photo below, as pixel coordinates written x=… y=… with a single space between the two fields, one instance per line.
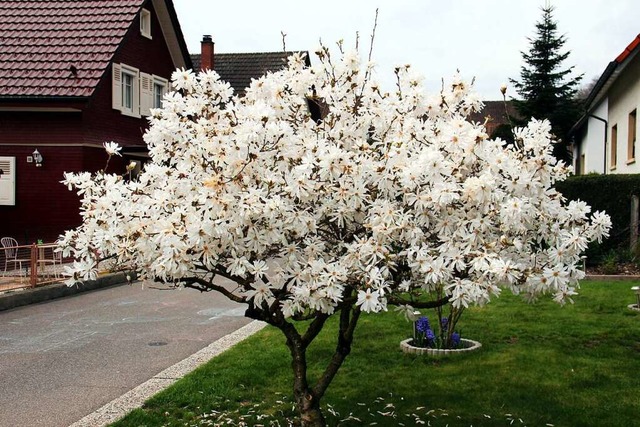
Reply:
x=466 y=345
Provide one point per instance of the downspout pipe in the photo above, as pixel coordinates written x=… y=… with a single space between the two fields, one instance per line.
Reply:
x=606 y=131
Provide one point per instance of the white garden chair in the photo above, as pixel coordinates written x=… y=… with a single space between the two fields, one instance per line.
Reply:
x=10 y=246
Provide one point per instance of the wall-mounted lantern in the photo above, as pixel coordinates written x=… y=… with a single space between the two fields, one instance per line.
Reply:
x=37 y=157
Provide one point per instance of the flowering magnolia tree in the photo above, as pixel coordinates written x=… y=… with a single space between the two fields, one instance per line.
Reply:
x=384 y=199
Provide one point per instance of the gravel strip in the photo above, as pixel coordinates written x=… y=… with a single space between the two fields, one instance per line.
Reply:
x=134 y=398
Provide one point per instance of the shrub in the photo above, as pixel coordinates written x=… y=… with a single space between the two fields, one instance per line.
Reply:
x=609 y=193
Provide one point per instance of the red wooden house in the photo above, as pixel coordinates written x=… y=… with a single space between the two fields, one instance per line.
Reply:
x=73 y=75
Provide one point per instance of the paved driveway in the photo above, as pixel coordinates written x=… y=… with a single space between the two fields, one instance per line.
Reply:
x=62 y=359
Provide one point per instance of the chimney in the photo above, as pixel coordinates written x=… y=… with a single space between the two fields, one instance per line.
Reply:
x=206 y=53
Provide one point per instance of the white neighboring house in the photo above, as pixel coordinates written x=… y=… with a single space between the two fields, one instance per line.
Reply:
x=606 y=135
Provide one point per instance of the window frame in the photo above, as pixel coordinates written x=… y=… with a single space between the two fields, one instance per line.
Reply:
x=145 y=23
x=126 y=88
x=156 y=95
x=118 y=89
x=134 y=74
x=614 y=147
x=164 y=85
x=632 y=136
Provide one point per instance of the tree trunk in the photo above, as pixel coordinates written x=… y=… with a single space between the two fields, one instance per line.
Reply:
x=308 y=398
x=310 y=413
x=307 y=403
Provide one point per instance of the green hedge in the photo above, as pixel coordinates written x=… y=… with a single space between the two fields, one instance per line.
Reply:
x=609 y=193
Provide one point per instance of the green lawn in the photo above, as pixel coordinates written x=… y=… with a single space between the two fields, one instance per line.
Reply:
x=540 y=364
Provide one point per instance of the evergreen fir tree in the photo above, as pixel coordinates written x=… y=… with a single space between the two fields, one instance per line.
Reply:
x=547 y=90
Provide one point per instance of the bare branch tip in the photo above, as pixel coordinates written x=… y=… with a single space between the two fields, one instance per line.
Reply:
x=373 y=34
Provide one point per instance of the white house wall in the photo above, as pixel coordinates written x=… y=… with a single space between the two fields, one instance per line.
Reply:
x=624 y=97
x=592 y=143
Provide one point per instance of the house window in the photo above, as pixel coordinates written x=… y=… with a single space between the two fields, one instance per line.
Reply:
x=136 y=93
x=126 y=89
x=158 y=92
x=145 y=23
x=152 y=90
x=614 y=146
x=631 y=144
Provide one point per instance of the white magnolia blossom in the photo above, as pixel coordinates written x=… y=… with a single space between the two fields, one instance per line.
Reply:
x=112 y=148
x=390 y=193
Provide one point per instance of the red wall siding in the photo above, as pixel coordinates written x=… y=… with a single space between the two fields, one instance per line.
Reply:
x=36 y=128
x=44 y=207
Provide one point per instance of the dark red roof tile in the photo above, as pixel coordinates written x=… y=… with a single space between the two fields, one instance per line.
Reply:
x=41 y=39
x=238 y=69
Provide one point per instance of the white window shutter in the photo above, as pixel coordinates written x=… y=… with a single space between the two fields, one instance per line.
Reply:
x=116 y=87
x=146 y=94
x=8 y=181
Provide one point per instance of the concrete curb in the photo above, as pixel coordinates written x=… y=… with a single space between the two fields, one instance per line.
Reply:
x=134 y=398
x=21 y=297
x=620 y=277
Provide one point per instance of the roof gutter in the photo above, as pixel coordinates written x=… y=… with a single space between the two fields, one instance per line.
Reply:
x=41 y=98
x=43 y=103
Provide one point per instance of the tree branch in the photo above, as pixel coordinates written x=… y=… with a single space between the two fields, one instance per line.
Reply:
x=348 y=320
x=314 y=328
x=207 y=285
x=220 y=270
x=418 y=304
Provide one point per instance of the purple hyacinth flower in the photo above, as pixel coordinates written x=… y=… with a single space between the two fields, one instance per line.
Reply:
x=431 y=337
x=444 y=324
x=422 y=324
x=455 y=339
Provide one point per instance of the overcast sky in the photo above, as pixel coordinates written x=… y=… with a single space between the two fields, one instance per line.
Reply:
x=481 y=38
